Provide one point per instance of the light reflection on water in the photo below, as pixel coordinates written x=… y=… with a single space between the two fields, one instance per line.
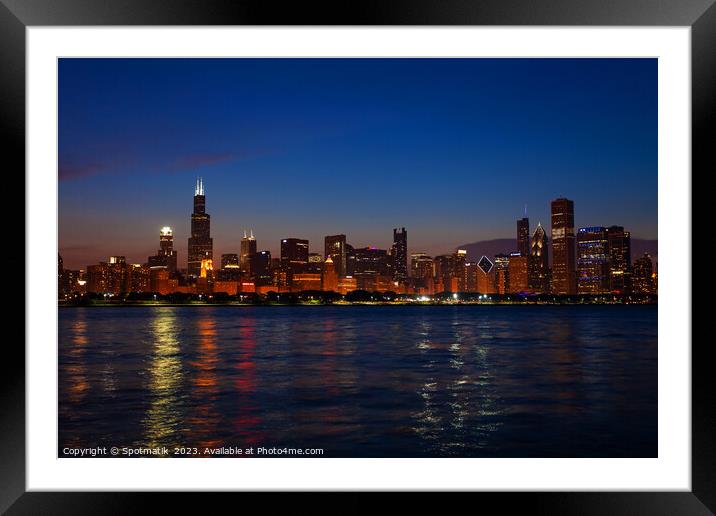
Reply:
x=162 y=421
x=363 y=381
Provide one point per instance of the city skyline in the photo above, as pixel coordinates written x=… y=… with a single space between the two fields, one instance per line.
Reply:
x=249 y=244
x=584 y=260
x=450 y=149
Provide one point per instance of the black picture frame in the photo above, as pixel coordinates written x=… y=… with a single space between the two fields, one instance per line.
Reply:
x=16 y=15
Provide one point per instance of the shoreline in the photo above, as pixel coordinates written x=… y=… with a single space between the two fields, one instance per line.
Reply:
x=382 y=304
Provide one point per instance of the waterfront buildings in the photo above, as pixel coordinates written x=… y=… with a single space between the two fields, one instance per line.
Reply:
x=592 y=260
x=599 y=263
x=564 y=272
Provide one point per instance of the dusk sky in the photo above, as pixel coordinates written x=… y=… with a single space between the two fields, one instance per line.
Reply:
x=450 y=149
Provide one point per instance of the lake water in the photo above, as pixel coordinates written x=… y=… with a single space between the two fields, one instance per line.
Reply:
x=363 y=381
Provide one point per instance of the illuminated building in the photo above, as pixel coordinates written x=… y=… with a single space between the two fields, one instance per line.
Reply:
x=166 y=256
x=564 y=271
x=230 y=287
x=370 y=261
x=60 y=270
x=347 y=284
x=230 y=261
x=159 y=281
x=230 y=269
x=643 y=275
x=315 y=263
x=207 y=268
x=350 y=260
x=335 y=246
x=248 y=248
x=523 y=236
x=518 y=266
x=260 y=264
x=485 y=276
x=108 y=277
x=294 y=255
x=539 y=262
x=140 y=278
x=502 y=273
x=329 y=277
x=201 y=245
x=445 y=275
x=592 y=260
x=306 y=281
x=422 y=272
x=71 y=283
x=620 y=273
x=399 y=252
x=460 y=271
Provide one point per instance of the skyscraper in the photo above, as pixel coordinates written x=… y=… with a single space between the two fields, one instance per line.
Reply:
x=421 y=270
x=485 y=281
x=335 y=247
x=248 y=247
x=294 y=255
x=400 y=254
x=620 y=271
x=592 y=260
x=460 y=269
x=518 y=267
x=260 y=265
x=523 y=236
x=502 y=273
x=201 y=246
x=564 y=276
x=644 y=275
x=539 y=261
x=166 y=256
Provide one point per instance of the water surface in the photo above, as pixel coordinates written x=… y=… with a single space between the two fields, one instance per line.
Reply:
x=363 y=381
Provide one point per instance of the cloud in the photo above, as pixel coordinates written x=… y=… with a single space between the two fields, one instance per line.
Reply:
x=72 y=171
x=192 y=161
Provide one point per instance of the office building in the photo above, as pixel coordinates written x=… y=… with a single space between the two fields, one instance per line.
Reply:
x=200 y=245
x=518 y=266
x=592 y=260
x=564 y=264
x=335 y=246
x=399 y=253
x=539 y=261
x=643 y=275
x=523 y=236
x=620 y=270
x=248 y=248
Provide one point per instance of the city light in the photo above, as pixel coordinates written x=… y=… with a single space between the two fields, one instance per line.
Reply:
x=587 y=261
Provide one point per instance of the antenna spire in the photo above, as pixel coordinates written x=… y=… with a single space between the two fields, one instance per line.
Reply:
x=244 y=233
x=252 y=234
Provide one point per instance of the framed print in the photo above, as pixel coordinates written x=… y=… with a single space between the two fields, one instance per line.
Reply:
x=408 y=249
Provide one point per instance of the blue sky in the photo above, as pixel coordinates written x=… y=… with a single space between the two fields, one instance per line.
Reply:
x=451 y=149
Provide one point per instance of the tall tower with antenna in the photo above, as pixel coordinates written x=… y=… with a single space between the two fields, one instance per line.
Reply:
x=248 y=248
x=201 y=245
